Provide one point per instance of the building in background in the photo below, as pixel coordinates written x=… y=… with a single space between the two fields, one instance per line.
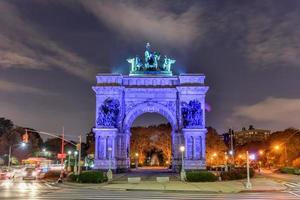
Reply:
x=245 y=136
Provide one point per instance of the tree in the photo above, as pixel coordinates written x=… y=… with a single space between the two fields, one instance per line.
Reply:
x=147 y=141
x=284 y=146
x=296 y=162
x=6 y=126
x=215 y=148
x=13 y=138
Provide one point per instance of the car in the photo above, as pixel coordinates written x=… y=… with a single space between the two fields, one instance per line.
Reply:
x=6 y=174
x=30 y=173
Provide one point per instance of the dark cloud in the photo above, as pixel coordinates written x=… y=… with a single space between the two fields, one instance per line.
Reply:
x=150 y=21
x=23 y=46
x=249 y=51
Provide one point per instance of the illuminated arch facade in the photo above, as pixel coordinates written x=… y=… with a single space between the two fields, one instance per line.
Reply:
x=121 y=99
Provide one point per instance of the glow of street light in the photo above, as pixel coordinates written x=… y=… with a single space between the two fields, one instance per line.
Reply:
x=231 y=152
x=182 y=148
x=215 y=154
x=75 y=153
x=276 y=147
x=69 y=152
x=136 y=154
x=252 y=157
x=261 y=152
x=23 y=144
x=44 y=150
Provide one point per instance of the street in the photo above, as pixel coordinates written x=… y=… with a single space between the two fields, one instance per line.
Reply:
x=41 y=190
x=19 y=189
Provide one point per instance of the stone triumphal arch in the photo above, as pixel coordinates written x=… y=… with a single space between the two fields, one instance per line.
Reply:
x=149 y=88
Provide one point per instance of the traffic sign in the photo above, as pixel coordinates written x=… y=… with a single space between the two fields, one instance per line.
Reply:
x=60 y=155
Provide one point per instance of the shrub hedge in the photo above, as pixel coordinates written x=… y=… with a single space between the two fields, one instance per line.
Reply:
x=200 y=176
x=73 y=177
x=92 y=177
x=290 y=170
x=236 y=173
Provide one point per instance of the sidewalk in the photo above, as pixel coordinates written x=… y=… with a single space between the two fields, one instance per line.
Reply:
x=258 y=185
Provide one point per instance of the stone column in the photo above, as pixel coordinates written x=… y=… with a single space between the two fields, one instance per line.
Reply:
x=96 y=146
x=194 y=161
x=101 y=161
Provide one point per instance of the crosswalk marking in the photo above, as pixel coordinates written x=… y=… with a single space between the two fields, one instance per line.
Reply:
x=292 y=184
x=25 y=186
x=295 y=194
x=118 y=195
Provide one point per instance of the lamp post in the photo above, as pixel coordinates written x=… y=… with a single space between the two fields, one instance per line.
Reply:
x=69 y=161
x=248 y=184
x=75 y=164
x=182 y=173
x=10 y=150
x=109 y=172
x=136 y=161
x=226 y=158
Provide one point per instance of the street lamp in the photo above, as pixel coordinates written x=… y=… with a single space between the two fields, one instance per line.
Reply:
x=248 y=184
x=182 y=173
x=226 y=158
x=75 y=164
x=22 y=144
x=109 y=172
x=136 y=161
x=69 y=161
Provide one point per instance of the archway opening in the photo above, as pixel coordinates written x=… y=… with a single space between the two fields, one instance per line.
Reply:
x=151 y=142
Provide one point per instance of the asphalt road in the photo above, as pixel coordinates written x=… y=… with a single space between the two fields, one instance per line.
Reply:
x=39 y=190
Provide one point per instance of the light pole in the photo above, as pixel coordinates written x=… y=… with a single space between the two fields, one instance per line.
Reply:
x=248 y=184
x=9 y=152
x=109 y=172
x=136 y=161
x=79 y=155
x=226 y=158
x=182 y=173
x=75 y=164
x=69 y=161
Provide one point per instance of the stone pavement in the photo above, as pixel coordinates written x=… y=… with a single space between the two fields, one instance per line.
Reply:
x=259 y=185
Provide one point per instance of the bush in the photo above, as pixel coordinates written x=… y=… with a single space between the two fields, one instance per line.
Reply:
x=297 y=171
x=73 y=177
x=287 y=170
x=200 y=176
x=92 y=177
x=236 y=174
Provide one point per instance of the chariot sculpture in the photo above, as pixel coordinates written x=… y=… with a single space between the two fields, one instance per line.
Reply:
x=153 y=63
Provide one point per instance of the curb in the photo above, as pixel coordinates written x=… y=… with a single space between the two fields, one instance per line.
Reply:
x=177 y=191
x=255 y=191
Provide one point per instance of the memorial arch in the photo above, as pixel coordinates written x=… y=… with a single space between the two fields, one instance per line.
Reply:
x=149 y=88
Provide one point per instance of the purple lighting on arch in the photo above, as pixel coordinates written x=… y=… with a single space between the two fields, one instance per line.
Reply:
x=207 y=107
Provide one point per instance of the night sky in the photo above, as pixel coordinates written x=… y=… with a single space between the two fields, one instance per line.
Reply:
x=51 y=51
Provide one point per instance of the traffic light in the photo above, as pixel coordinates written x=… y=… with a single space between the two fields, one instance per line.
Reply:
x=78 y=146
x=25 y=137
